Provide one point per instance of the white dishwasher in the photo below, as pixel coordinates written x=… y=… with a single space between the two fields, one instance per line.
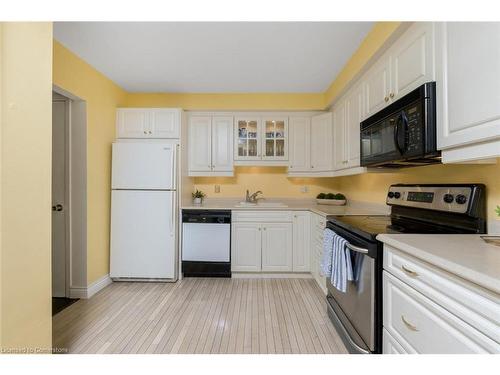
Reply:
x=206 y=243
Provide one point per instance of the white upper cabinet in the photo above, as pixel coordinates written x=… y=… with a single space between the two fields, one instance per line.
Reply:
x=148 y=123
x=247 y=138
x=377 y=86
x=263 y=139
x=339 y=130
x=468 y=90
x=165 y=123
x=222 y=143
x=321 y=143
x=354 y=116
x=132 y=123
x=199 y=144
x=347 y=114
x=275 y=138
x=300 y=144
x=210 y=145
x=409 y=63
x=413 y=59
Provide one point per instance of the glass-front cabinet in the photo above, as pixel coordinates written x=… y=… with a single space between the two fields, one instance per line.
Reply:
x=247 y=139
x=264 y=138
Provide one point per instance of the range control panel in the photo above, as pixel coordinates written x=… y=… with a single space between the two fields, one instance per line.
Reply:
x=441 y=198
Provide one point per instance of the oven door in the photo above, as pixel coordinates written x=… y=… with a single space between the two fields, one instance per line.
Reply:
x=357 y=313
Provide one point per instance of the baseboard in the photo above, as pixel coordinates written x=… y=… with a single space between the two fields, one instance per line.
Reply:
x=88 y=292
x=264 y=275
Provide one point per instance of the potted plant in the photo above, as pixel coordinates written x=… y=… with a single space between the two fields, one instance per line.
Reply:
x=331 y=199
x=198 y=197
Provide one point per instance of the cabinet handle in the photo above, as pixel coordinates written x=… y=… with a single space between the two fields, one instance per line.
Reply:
x=386 y=99
x=391 y=95
x=408 y=325
x=409 y=272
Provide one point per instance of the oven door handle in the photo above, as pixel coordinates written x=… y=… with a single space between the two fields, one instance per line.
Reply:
x=357 y=249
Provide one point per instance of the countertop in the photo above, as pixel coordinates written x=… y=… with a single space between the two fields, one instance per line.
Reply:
x=352 y=208
x=465 y=255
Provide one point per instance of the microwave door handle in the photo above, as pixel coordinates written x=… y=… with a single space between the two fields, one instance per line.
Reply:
x=404 y=120
x=396 y=135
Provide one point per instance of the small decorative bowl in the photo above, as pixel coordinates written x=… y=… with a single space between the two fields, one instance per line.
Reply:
x=331 y=202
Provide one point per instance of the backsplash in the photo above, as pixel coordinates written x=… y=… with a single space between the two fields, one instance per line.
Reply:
x=272 y=181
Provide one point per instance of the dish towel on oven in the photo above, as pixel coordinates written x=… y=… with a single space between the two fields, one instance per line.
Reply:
x=336 y=263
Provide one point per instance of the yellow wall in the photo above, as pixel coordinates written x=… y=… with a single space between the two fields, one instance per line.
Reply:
x=272 y=181
x=25 y=165
x=102 y=97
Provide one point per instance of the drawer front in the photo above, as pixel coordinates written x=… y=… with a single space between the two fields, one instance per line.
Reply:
x=473 y=304
x=262 y=216
x=417 y=322
x=391 y=346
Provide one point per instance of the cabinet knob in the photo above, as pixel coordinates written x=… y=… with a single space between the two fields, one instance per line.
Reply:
x=291 y=166
x=386 y=99
x=259 y=228
x=391 y=95
x=150 y=132
x=264 y=228
x=145 y=132
x=312 y=166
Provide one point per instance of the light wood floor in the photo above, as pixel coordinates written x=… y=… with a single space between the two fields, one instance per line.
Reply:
x=200 y=316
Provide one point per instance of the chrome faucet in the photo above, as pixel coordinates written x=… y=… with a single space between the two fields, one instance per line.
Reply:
x=252 y=198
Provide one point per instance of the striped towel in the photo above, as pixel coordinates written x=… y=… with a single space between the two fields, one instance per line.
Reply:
x=341 y=264
x=336 y=261
x=326 y=260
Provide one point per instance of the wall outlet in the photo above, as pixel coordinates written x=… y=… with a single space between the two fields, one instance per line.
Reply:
x=217 y=188
x=304 y=189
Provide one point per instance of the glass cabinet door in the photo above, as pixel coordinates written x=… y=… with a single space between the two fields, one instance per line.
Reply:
x=274 y=139
x=247 y=139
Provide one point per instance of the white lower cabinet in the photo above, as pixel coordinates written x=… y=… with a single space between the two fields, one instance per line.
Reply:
x=390 y=344
x=301 y=241
x=425 y=310
x=270 y=241
x=318 y=224
x=246 y=247
x=262 y=241
x=276 y=247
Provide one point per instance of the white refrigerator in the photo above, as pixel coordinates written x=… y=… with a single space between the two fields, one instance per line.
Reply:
x=143 y=211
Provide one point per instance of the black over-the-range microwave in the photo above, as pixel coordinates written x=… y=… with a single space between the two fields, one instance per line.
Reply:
x=404 y=133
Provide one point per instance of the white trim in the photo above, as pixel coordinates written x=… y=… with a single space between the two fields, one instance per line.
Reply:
x=78 y=292
x=88 y=292
x=264 y=275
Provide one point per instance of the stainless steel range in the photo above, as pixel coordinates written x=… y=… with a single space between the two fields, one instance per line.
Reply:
x=438 y=209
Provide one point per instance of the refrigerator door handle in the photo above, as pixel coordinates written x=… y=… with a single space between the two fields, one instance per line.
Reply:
x=174 y=167
x=172 y=213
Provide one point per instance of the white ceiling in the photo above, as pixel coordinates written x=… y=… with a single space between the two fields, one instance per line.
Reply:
x=211 y=57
